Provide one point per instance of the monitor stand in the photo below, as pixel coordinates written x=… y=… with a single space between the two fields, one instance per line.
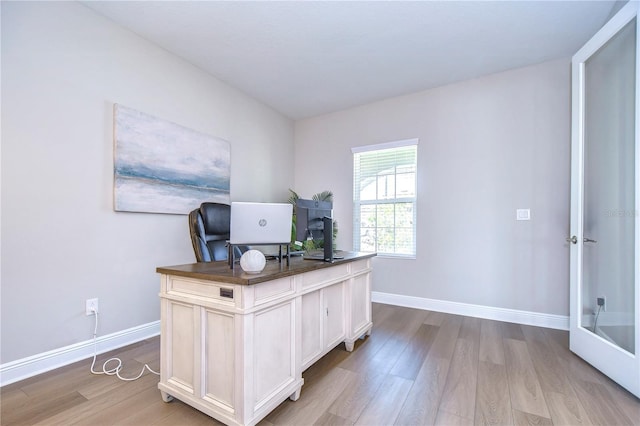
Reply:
x=328 y=255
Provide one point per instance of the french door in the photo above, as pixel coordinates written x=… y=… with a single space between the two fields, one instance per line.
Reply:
x=605 y=201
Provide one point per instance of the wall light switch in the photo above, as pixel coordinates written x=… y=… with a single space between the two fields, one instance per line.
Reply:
x=523 y=214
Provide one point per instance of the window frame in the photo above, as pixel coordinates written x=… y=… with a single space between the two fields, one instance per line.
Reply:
x=358 y=203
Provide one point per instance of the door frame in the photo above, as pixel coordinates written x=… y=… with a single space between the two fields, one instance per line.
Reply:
x=605 y=356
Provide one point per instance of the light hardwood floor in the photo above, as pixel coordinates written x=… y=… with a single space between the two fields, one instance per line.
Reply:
x=416 y=368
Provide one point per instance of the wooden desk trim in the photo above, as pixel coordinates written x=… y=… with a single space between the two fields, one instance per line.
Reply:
x=220 y=271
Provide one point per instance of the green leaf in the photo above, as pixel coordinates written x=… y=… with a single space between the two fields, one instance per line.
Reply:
x=293 y=197
x=324 y=196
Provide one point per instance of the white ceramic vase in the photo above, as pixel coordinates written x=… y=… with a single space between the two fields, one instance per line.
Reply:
x=253 y=261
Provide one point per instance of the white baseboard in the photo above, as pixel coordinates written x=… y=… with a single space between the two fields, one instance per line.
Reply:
x=538 y=319
x=14 y=371
x=27 y=367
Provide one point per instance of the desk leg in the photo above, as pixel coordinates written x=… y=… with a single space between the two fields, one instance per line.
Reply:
x=349 y=344
x=166 y=397
x=294 y=396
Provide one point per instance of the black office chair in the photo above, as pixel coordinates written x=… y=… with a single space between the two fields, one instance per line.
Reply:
x=210 y=227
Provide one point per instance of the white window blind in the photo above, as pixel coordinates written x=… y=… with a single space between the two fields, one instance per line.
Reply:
x=384 y=198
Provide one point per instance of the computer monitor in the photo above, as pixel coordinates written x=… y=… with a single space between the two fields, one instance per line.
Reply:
x=310 y=216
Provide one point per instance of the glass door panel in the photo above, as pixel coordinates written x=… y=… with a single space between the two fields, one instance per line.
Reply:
x=609 y=209
x=604 y=322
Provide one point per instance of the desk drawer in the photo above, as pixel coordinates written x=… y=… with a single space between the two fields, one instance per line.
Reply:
x=360 y=265
x=201 y=289
x=267 y=291
x=335 y=273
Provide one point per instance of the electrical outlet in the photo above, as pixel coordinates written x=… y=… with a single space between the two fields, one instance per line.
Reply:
x=602 y=301
x=91 y=306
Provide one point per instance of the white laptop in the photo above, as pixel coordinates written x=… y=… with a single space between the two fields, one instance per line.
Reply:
x=260 y=223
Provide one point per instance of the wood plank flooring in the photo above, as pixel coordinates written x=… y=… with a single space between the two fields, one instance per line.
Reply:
x=416 y=368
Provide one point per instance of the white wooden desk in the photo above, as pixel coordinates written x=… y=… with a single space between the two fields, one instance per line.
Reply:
x=234 y=345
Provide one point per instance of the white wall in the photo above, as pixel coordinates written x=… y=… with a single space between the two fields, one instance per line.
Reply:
x=487 y=147
x=63 y=68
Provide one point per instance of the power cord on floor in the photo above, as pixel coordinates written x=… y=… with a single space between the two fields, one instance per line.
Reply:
x=115 y=371
x=595 y=323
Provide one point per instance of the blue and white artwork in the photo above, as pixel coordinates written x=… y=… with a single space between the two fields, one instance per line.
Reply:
x=162 y=167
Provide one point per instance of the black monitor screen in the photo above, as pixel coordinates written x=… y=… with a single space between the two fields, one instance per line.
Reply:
x=309 y=219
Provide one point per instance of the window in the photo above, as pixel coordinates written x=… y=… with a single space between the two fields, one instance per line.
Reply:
x=384 y=198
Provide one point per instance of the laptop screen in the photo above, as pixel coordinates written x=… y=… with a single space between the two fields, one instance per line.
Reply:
x=260 y=223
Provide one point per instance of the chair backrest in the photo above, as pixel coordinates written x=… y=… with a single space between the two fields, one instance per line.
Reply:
x=209 y=226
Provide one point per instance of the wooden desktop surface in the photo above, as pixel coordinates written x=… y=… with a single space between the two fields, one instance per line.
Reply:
x=221 y=272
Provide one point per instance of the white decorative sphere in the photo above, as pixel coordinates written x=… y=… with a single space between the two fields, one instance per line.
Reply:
x=253 y=261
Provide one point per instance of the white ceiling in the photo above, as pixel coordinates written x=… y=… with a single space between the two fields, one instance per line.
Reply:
x=306 y=58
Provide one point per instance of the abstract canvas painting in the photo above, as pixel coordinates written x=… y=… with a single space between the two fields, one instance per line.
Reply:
x=162 y=167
